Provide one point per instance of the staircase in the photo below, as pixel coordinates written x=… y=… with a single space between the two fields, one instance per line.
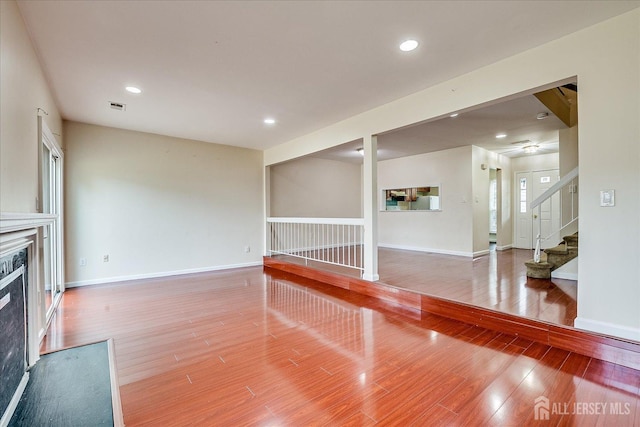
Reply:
x=553 y=258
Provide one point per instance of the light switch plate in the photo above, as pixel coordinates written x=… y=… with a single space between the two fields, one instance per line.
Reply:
x=607 y=198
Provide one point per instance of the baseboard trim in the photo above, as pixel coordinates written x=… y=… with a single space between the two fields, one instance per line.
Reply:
x=431 y=250
x=609 y=347
x=102 y=281
x=504 y=248
x=481 y=253
x=607 y=328
x=564 y=275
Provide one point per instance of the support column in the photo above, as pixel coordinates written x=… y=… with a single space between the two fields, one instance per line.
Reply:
x=370 y=208
x=266 y=242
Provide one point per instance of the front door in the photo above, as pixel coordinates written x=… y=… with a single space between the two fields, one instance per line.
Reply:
x=529 y=186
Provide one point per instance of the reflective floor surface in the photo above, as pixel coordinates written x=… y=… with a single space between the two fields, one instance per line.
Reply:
x=497 y=281
x=242 y=347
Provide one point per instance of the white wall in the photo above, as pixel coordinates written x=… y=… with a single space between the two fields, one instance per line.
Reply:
x=568 y=161
x=605 y=58
x=539 y=162
x=447 y=231
x=157 y=204
x=568 y=158
x=311 y=187
x=23 y=89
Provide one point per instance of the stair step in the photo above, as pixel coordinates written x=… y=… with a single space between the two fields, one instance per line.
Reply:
x=553 y=258
x=560 y=255
x=557 y=250
x=571 y=240
x=538 y=270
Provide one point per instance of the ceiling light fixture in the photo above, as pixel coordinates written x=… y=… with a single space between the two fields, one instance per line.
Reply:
x=408 y=45
x=542 y=116
x=270 y=121
x=133 y=89
x=361 y=151
x=530 y=149
x=501 y=135
x=453 y=115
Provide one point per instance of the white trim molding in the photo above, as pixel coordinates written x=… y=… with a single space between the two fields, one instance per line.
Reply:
x=334 y=221
x=162 y=274
x=13 y=403
x=483 y=252
x=421 y=249
x=624 y=332
x=116 y=402
x=504 y=248
x=23 y=221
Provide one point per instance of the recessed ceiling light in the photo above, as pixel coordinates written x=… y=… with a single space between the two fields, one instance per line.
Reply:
x=270 y=121
x=501 y=135
x=453 y=115
x=133 y=89
x=408 y=45
x=542 y=116
x=361 y=151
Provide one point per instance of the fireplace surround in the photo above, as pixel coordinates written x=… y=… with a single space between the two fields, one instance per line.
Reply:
x=22 y=316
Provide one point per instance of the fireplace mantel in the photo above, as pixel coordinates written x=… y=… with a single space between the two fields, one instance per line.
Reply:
x=10 y=222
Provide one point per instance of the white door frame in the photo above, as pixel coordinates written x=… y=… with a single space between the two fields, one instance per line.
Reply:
x=55 y=197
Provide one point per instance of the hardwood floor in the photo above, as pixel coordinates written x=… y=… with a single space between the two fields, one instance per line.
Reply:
x=244 y=347
x=497 y=281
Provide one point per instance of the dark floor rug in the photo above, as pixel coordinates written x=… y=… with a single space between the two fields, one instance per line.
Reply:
x=68 y=388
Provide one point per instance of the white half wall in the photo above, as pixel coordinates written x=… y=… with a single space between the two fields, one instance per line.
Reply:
x=157 y=205
x=311 y=187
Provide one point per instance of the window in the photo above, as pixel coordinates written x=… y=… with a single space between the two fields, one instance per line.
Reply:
x=523 y=195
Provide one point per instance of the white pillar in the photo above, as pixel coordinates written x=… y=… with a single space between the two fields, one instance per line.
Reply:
x=266 y=202
x=370 y=208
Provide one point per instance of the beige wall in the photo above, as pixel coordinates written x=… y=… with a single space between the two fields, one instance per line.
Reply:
x=605 y=58
x=157 y=205
x=23 y=89
x=447 y=231
x=310 y=187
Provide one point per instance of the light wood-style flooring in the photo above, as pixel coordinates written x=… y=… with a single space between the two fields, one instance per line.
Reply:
x=244 y=347
x=497 y=281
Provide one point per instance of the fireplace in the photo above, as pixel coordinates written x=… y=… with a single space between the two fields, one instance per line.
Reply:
x=22 y=324
x=13 y=329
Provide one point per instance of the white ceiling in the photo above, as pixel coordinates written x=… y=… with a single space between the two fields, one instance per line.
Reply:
x=213 y=70
x=517 y=118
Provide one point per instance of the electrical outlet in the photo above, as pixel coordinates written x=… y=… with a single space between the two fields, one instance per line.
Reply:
x=247 y=249
x=105 y=258
x=83 y=262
